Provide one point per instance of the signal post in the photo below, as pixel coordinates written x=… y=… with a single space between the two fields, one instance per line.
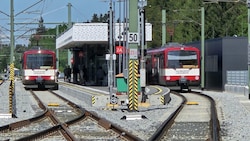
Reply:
x=133 y=63
x=135 y=38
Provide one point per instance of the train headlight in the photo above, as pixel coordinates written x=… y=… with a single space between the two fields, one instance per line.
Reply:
x=27 y=77
x=197 y=77
x=168 y=78
x=52 y=78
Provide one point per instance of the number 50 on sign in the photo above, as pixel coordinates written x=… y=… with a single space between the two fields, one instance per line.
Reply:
x=133 y=37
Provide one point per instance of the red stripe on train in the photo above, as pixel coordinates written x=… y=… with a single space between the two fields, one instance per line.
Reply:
x=43 y=77
x=175 y=78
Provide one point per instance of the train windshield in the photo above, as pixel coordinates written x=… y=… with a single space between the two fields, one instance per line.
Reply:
x=182 y=59
x=39 y=61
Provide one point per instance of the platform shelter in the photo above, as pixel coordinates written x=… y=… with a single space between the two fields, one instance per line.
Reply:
x=89 y=44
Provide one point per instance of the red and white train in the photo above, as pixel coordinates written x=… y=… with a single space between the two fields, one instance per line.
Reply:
x=39 y=69
x=175 y=66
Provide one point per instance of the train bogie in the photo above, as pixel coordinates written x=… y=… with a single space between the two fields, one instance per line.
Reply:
x=42 y=85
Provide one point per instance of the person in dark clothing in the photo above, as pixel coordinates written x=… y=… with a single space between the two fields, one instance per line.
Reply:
x=67 y=74
x=75 y=72
x=85 y=75
x=100 y=74
x=57 y=75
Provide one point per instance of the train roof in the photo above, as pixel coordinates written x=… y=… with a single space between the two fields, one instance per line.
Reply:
x=167 y=46
x=36 y=48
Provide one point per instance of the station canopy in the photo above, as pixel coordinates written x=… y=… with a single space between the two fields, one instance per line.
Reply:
x=94 y=33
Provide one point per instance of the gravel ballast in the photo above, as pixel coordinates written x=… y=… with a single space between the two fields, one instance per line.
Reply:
x=233 y=111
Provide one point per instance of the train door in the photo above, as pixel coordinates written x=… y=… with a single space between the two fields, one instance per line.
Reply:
x=148 y=68
x=156 y=68
x=161 y=69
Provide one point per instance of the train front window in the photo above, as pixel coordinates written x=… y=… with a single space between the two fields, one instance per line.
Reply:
x=39 y=61
x=182 y=59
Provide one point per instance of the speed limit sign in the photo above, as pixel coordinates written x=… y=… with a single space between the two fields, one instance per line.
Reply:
x=133 y=37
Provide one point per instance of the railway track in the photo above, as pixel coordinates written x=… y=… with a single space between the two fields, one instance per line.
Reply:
x=71 y=122
x=195 y=119
x=65 y=122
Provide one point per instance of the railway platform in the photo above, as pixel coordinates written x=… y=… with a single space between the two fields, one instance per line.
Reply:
x=100 y=96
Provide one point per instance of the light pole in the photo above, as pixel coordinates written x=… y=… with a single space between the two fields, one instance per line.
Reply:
x=202 y=24
x=69 y=26
x=133 y=62
x=12 y=42
x=163 y=14
x=112 y=97
x=248 y=15
x=202 y=48
x=141 y=5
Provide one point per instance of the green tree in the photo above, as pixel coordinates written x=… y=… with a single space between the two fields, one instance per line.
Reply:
x=102 y=18
x=184 y=16
x=95 y=18
x=4 y=57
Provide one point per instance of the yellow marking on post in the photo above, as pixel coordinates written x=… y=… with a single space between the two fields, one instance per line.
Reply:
x=192 y=103
x=11 y=97
x=162 y=99
x=133 y=85
x=130 y=86
x=93 y=100
x=53 y=104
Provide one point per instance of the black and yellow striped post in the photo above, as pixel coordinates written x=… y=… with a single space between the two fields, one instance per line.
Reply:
x=133 y=40
x=133 y=85
x=11 y=88
x=93 y=100
x=10 y=97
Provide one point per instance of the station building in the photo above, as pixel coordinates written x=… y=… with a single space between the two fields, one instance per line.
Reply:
x=89 y=44
x=226 y=63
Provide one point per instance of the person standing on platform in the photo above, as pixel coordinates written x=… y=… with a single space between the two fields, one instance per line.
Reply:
x=65 y=74
x=83 y=74
x=100 y=74
x=69 y=73
x=75 y=73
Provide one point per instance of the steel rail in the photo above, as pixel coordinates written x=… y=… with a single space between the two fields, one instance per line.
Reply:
x=101 y=121
x=59 y=126
x=63 y=127
x=19 y=124
x=214 y=122
x=169 y=121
